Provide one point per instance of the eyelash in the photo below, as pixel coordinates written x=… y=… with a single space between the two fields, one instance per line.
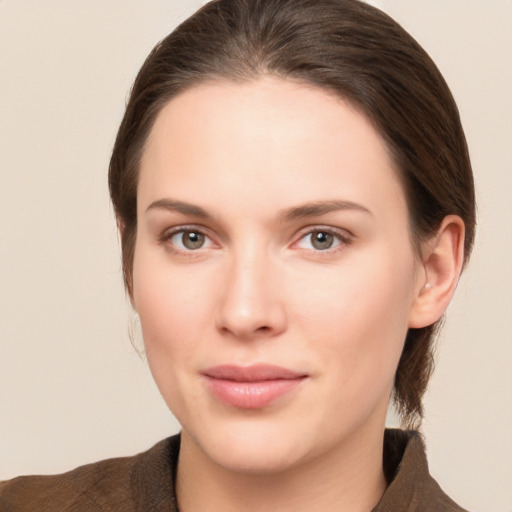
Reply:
x=343 y=238
x=169 y=234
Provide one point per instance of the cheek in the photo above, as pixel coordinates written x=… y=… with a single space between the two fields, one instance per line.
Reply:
x=171 y=304
x=174 y=314
x=359 y=323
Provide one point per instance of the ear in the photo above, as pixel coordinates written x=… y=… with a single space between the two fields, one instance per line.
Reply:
x=442 y=259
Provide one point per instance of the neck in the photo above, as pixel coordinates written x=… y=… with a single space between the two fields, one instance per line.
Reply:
x=349 y=477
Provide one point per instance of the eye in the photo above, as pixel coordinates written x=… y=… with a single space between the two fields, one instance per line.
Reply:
x=188 y=240
x=321 y=240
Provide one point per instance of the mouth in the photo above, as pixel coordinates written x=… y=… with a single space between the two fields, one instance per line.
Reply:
x=251 y=387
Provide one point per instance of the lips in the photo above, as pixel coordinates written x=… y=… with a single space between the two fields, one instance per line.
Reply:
x=251 y=387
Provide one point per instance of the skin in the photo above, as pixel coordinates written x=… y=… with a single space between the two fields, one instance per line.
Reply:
x=258 y=290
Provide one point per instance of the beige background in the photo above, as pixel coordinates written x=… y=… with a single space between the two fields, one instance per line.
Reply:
x=72 y=389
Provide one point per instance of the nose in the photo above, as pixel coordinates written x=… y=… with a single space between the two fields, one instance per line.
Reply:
x=251 y=303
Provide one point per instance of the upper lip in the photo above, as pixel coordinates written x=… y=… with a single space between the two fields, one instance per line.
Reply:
x=253 y=373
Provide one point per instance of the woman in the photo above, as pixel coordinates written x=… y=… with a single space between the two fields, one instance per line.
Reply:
x=295 y=202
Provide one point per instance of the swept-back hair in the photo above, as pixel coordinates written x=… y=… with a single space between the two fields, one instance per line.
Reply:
x=343 y=46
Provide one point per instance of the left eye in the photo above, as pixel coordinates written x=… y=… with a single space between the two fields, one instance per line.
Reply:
x=320 y=240
x=189 y=240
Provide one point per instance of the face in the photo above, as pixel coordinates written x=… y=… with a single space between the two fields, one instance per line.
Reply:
x=273 y=274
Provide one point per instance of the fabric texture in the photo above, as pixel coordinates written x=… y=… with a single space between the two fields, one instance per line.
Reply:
x=145 y=483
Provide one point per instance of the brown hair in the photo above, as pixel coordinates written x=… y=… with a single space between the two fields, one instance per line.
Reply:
x=344 y=46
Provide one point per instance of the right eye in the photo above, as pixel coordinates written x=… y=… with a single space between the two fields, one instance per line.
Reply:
x=188 y=240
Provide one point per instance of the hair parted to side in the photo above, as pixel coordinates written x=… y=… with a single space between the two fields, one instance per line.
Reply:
x=343 y=46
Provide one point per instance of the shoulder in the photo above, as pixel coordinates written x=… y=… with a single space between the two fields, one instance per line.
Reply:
x=85 y=487
x=120 y=484
x=411 y=487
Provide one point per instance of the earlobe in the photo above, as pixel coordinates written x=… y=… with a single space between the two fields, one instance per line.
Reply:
x=442 y=256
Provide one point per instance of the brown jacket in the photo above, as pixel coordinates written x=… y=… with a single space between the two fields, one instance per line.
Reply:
x=145 y=483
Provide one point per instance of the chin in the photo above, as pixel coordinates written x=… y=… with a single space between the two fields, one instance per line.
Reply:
x=252 y=447
x=255 y=459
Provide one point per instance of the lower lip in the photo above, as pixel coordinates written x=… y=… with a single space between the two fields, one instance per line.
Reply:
x=251 y=395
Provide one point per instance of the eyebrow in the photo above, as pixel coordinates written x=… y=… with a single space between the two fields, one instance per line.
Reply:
x=179 y=206
x=312 y=209
x=318 y=208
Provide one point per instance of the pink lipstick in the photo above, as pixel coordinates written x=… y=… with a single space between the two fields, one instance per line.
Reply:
x=251 y=387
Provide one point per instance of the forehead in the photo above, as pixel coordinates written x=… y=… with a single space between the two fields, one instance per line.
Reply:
x=273 y=139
